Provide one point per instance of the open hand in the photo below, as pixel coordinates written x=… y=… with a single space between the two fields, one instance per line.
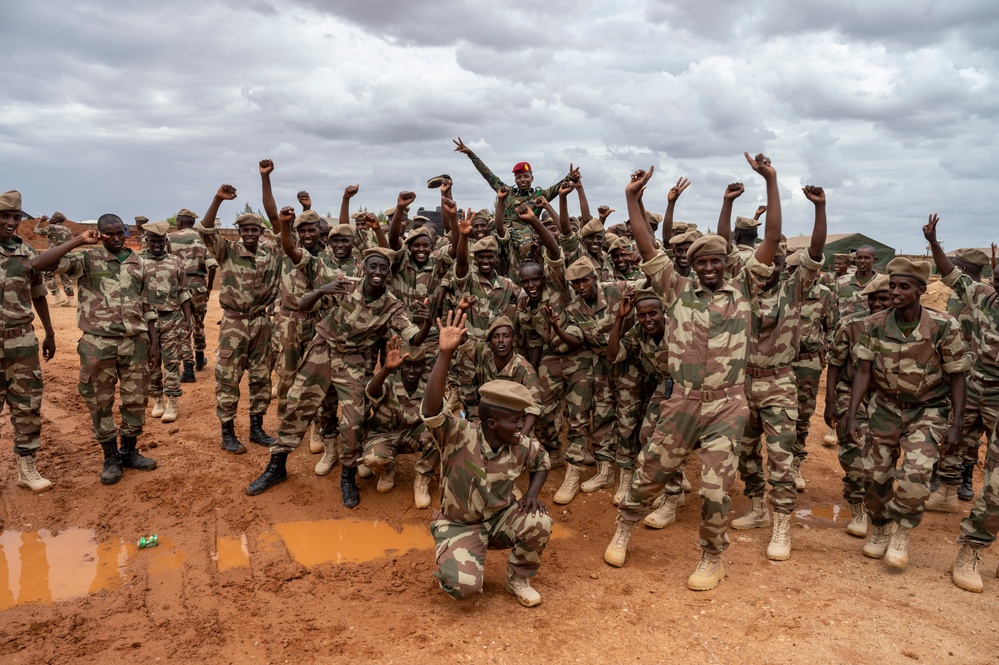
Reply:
x=930 y=228
x=393 y=358
x=452 y=331
x=676 y=190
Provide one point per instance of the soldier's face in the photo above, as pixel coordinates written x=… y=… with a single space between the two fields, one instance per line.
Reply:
x=710 y=270
x=308 y=235
x=113 y=235
x=485 y=261
x=904 y=291
x=864 y=259
x=342 y=246
x=156 y=245
x=480 y=228
x=420 y=250
x=532 y=280
x=9 y=220
x=324 y=228
x=250 y=235
x=505 y=425
x=680 y=254
x=878 y=301
x=841 y=266
x=585 y=287
x=622 y=260
x=595 y=244
x=376 y=270
x=412 y=372
x=524 y=180
x=553 y=229
x=501 y=341
x=649 y=314
x=779 y=262
x=184 y=221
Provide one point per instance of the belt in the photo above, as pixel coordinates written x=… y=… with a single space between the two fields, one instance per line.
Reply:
x=708 y=395
x=195 y=274
x=888 y=397
x=162 y=312
x=239 y=316
x=809 y=356
x=7 y=333
x=295 y=314
x=763 y=372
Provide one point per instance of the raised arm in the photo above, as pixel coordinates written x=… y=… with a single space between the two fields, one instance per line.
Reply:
x=614 y=341
x=395 y=224
x=49 y=259
x=461 y=260
x=392 y=359
x=563 y=208
x=944 y=265
x=452 y=334
x=674 y=193
x=40 y=224
x=584 y=205
x=348 y=194
x=501 y=195
x=636 y=213
x=526 y=215
x=818 y=243
x=771 y=234
x=291 y=250
x=732 y=192
x=479 y=165
x=570 y=341
x=225 y=193
x=449 y=218
x=304 y=200
x=270 y=207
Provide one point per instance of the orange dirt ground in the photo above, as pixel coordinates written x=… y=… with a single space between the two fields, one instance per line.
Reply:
x=224 y=585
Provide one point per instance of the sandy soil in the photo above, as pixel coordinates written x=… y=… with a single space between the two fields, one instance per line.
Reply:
x=175 y=602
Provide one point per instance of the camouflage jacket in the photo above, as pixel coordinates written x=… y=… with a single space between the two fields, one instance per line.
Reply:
x=249 y=281
x=708 y=331
x=297 y=279
x=914 y=368
x=596 y=319
x=819 y=315
x=167 y=281
x=334 y=268
x=984 y=304
x=845 y=338
x=187 y=244
x=654 y=355
x=114 y=296
x=517 y=196
x=395 y=408
x=352 y=324
x=517 y=369
x=56 y=234
x=966 y=317
x=848 y=289
x=495 y=297
x=572 y=247
x=476 y=480
x=604 y=268
x=535 y=327
x=20 y=284
x=776 y=329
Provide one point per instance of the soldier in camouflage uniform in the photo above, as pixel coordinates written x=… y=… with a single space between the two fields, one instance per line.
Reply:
x=199 y=271
x=169 y=296
x=119 y=342
x=250 y=272
x=593 y=236
x=916 y=361
x=497 y=358
x=622 y=254
x=708 y=405
x=20 y=373
x=848 y=286
x=480 y=463
x=56 y=233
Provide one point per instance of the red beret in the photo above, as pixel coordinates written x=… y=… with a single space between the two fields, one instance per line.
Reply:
x=521 y=167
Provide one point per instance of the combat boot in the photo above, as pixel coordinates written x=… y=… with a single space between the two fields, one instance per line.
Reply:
x=665 y=513
x=623 y=486
x=617 y=551
x=257 y=433
x=170 y=412
x=112 y=462
x=570 y=485
x=943 y=500
x=830 y=439
x=966 y=491
x=779 y=548
x=364 y=471
x=199 y=360
x=709 y=572
x=28 y=476
x=276 y=472
x=158 y=407
x=799 y=481
x=69 y=302
x=684 y=483
x=897 y=554
x=387 y=480
x=60 y=298
x=130 y=457
x=188 y=375
x=521 y=588
x=876 y=545
x=230 y=443
x=349 y=493
x=964 y=572
x=316 y=445
x=757 y=517
x=421 y=491
x=603 y=478
x=858 y=521
x=331 y=454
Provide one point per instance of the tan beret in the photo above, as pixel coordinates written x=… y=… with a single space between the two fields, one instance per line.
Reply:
x=508 y=395
x=842 y=257
x=902 y=267
x=383 y=252
x=974 y=257
x=621 y=244
x=592 y=227
x=437 y=181
x=249 y=219
x=57 y=217
x=418 y=233
x=879 y=283
x=184 y=212
x=499 y=323
x=610 y=238
x=580 y=269
x=421 y=218
x=688 y=236
x=158 y=229
x=793 y=259
x=487 y=244
x=679 y=227
x=358 y=215
x=653 y=218
x=781 y=248
x=646 y=294
x=746 y=223
x=10 y=201
x=391 y=211
x=141 y=218
x=708 y=244
x=483 y=214
x=342 y=230
x=416 y=353
x=307 y=217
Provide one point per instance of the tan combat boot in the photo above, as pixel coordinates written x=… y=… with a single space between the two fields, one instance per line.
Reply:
x=709 y=572
x=28 y=476
x=779 y=548
x=943 y=500
x=684 y=483
x=876 y=545
x=69 y=302
x=170 y=412
x=897 y=554
x=603 y=478
x=830 y=439
x=331 y=454
x=522 y=589
x=964 y=572
x=799 y=481
x=158 y=407
x=421 y=491
x=387 y=481
x=757 y=517
x=623 y=486
x=858 y=521
x=570 y=486
x=665 y=513
x=316 y=445
x=617 y=551
x=363 y=471
x=60 y=298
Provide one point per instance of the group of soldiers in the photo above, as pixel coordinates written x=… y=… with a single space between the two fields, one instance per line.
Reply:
x=525 y=339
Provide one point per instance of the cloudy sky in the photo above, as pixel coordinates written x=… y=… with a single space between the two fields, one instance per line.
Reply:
x=141 y=108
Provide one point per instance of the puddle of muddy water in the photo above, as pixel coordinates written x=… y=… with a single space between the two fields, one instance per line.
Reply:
x=831 y=512
x=231 y=552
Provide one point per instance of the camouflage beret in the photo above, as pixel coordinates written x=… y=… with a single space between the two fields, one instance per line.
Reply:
x=592 y=227
x=580 y=269
x=687 y=236
x=504 y=394
x=879 y=283
x=307 y=217
x=902 y=267
x=746 y=223
x=974 y=257
x=10 y=201
x=184 y=212
x=499 y=323
x=249 y=219
x=342 y=230
x=57 y=217
x=712 y=243
x=383 y=252
x=418 y=233
x=487 y=244
x=158 y=229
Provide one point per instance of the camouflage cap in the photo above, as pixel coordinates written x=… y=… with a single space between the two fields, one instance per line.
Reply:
x=141 y=219
x=342 y=230
x=621 y=245
x=653 y=218
x=307 y=217
x=10 y=201
x=184 y=212
x=487 y=244
x=879 y=283
x=687 y=236
x=57 y=217
x=580 y=269
x=504 y=394
x=158 y=229
x=591 y=227
x=971 y=256
x=746 y=223
x=499 y=323
x=712 y=243
x=419 y=233
x=902 y=267
x=383 y=252
x=249 y=219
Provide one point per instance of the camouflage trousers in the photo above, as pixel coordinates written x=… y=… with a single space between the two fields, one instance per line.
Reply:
x=603 y=430
x=461 y=548
x=323 y=371
x=652 y=421
x=198 y=287
x=104 y=362
x=381 y=448
x=981 y=411
x=170 y=331
x=806 y=376
x=715 y=420
x=627 y=380
x=293 y=331
x=50 y=282
x=912 y=433
x=773 y=410
x=853 y=459
x=462 y=374
x=980 y=527
x=561 y=381
x=244 y=347
x=21 y=389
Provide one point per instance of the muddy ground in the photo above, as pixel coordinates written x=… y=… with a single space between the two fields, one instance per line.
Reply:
x=75 y=588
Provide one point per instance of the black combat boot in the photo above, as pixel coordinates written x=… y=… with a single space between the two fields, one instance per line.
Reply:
x=112 y=462
x=257 y=433
x=934 y=480
x=348 y=486
x=199 y=360
x=130 y=457
x=966 y=491
x=229 y=441
x=275 y=473
x=188 y=375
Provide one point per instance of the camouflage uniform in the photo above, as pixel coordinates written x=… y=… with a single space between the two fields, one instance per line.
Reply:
x=167 y=293
x=412 y=284
x=478 y=510
x=188 y=246
x=249 y=284
x=294 y=329
x=909 y=410
x=517 y=369
x=848 y=288
x=819 y=315
x=394 y=427
x=20 y=373
x=114 y=313
x=708 y=339
x=56 y=234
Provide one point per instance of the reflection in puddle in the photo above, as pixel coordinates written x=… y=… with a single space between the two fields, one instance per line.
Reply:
x=830 y=512
x=231 y=552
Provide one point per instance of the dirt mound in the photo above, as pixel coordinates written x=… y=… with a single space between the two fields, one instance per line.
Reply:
x=936 y=296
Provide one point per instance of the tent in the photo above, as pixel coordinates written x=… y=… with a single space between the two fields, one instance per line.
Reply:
x=846 y=243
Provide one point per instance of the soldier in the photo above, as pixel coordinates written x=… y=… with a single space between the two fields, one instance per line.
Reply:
x=592 y=236
x=118 y=342
x=848 y=286
x=680 y=244
x=20 y=373
x=746 y=235
x=56 y=233
x=169 y=296
x=199 y=273
x=251 y=270
x=340 y=256
x=480 y=463
x=497 y=358
x=919 y=381
x=622 y=254
x=708 y=406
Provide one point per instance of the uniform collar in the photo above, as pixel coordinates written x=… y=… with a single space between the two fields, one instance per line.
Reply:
x=894 y=332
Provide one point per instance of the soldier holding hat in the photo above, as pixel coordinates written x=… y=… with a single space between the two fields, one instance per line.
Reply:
x=199 y=271
x=746 y=236
x=55 y=232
